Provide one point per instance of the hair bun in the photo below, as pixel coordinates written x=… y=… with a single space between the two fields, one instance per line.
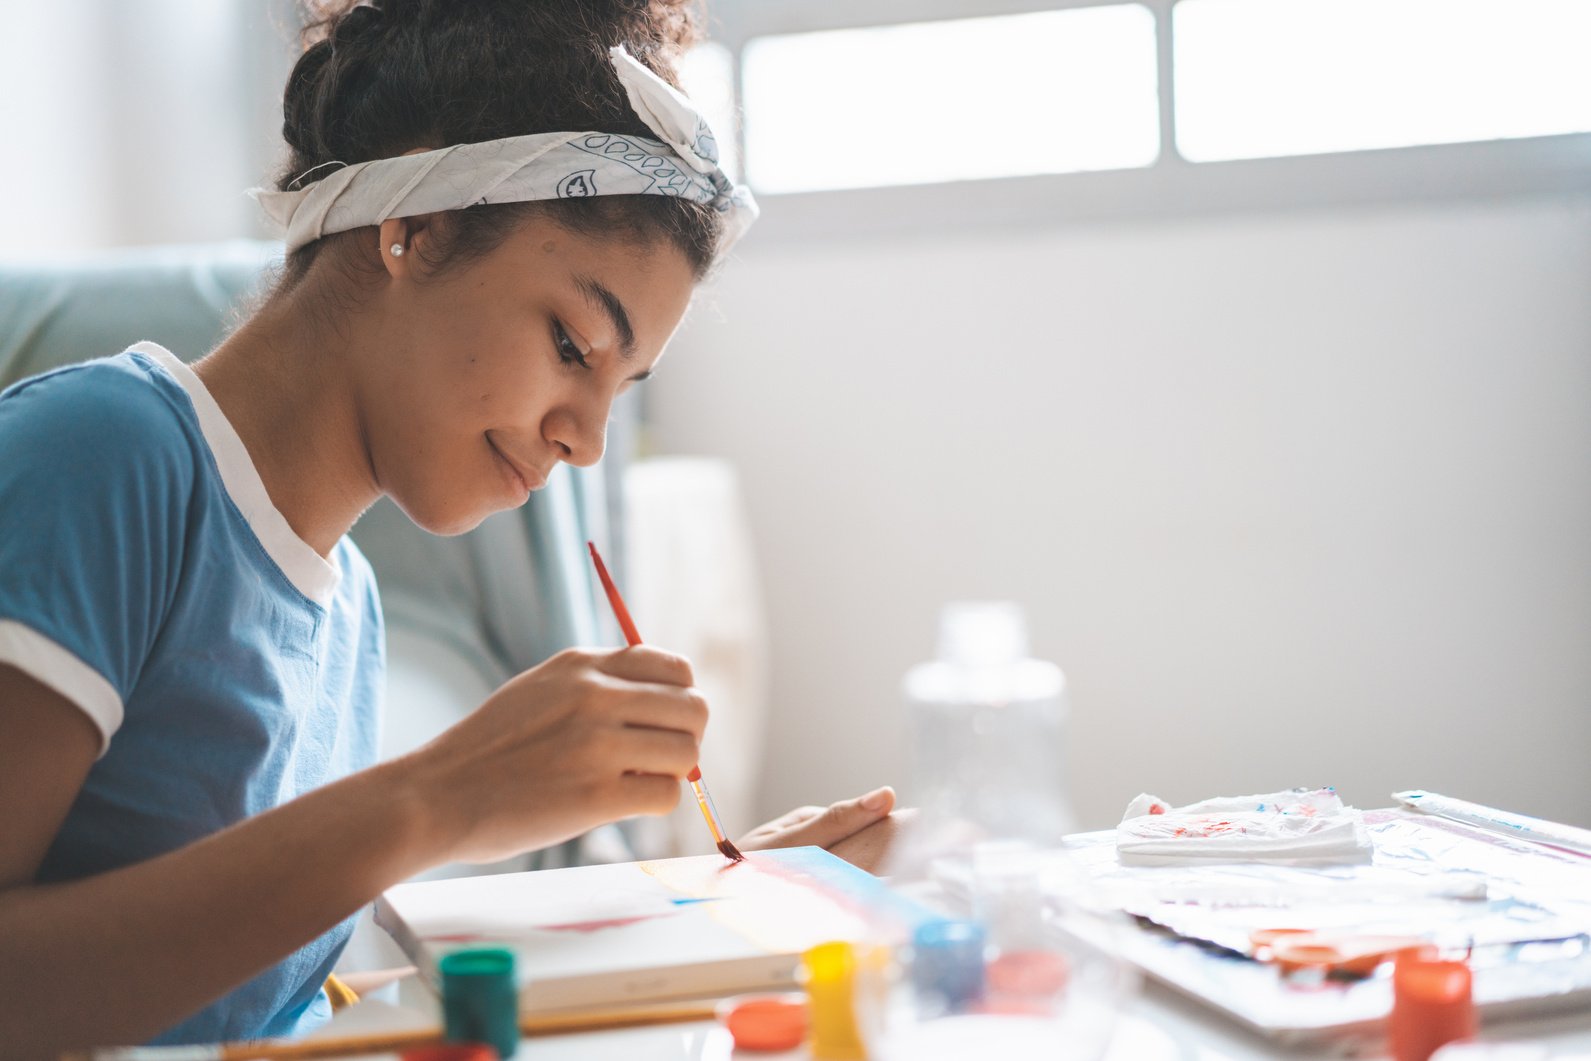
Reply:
x=301 y=100
x=380 y=77
x=346 y=21
x=358 y=22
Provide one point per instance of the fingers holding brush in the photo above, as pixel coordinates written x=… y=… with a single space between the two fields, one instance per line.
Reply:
x=644 y=663
x=660 y=690
x=650 y=793
x=665 y=752
x=664 y=707
x=553 y=753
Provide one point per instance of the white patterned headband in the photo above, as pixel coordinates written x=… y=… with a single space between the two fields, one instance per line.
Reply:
x=682 y=163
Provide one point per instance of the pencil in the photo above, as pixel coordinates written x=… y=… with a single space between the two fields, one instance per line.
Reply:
x=269 y=1050
x=698 y=786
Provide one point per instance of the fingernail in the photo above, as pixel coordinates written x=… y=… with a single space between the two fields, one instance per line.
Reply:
x=876 y=799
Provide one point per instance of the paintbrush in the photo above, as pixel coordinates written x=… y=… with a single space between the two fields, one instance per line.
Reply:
x=703 y=800
x=391 y=1042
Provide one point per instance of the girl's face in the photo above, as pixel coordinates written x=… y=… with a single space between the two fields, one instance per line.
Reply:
x=478 y=381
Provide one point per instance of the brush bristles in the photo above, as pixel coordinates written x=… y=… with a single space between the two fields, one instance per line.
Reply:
x=730 y=851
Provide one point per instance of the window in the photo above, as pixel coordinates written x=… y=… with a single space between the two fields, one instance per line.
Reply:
x=896 y=117
x=963 y=99
x=1259 y=78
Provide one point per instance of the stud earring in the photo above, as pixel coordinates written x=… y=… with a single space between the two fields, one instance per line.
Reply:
x=397 y=250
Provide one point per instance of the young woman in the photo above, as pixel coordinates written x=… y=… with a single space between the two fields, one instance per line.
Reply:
x=191 y=647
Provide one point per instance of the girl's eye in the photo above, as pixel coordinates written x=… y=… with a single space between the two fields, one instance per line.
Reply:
x=568 y=352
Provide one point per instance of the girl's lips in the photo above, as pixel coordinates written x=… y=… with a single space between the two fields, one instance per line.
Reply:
x=528 y=480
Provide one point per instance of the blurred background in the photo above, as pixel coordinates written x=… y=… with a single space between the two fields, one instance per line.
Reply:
x=1245 y=343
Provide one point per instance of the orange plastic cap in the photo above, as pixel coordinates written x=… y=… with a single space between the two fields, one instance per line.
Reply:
x=766 y=1022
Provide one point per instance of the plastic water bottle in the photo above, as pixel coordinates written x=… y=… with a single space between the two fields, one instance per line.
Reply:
x=986 y=738
x=1009 y=973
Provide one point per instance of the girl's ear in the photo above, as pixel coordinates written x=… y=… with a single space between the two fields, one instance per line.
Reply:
x=394 y=247
x=400 y=238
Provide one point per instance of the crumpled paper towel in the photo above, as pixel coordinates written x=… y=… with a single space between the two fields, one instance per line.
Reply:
x=1298 y=827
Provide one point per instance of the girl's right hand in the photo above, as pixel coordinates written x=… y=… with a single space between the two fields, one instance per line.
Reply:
x=585 y=738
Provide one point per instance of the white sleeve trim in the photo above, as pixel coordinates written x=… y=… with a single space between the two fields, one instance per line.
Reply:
x=50 y=664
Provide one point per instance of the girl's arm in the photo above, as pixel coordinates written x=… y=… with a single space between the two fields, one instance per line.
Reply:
x=582 y=739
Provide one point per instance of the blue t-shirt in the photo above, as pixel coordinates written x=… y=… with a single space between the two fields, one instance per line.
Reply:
x=146 y=576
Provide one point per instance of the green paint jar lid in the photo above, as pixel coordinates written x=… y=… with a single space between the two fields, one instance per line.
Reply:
x=480 y=998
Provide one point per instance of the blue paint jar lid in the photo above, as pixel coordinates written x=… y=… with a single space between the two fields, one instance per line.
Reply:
x=947 y=965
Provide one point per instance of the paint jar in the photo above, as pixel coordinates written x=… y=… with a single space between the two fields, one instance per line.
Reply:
x=1432 y=1004
x=829 y=972
x=480 y=998
x=946 y=966
x=985 y=726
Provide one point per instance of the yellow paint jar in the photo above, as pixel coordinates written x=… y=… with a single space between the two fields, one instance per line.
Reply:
x=829 y=972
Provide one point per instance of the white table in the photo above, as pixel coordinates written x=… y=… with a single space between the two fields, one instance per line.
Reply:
x=1158 y=1025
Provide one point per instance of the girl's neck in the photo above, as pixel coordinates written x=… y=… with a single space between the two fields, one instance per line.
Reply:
x=282 y=381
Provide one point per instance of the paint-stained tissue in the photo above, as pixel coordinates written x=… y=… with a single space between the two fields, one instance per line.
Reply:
x=1296 y=827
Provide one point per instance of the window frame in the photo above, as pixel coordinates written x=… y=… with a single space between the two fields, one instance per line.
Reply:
x=1168 y=188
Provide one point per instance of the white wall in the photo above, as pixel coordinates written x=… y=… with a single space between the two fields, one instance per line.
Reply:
x=136 y=123
x=1295 y=499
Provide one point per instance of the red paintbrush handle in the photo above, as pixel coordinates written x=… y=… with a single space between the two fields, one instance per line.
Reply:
x=620 y=612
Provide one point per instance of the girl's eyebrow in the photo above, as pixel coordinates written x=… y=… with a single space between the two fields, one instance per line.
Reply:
x=601 y=298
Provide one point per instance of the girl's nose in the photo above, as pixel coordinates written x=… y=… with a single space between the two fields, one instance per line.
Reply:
x=580 y=437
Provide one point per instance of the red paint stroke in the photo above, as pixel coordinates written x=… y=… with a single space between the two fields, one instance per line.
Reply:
x=599 y=925
x=568 y=926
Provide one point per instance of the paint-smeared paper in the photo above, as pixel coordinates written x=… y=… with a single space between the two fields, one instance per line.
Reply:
x=648 y=931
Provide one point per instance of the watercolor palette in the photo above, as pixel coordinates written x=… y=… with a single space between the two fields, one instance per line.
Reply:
x=1530 y=921
x=640 y=932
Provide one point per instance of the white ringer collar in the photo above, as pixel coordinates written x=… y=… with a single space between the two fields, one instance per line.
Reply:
x=314 y=575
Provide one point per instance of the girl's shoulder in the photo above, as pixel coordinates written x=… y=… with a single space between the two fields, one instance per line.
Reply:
x=129 y=390
x=97 y=417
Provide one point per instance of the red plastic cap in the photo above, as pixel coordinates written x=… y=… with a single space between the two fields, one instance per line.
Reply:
x=451 y=1052
x=767 y=1023
x=1432 y=1005
x=1029 y=973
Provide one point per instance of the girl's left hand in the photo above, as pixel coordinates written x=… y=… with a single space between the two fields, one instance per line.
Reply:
x=827 y=827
